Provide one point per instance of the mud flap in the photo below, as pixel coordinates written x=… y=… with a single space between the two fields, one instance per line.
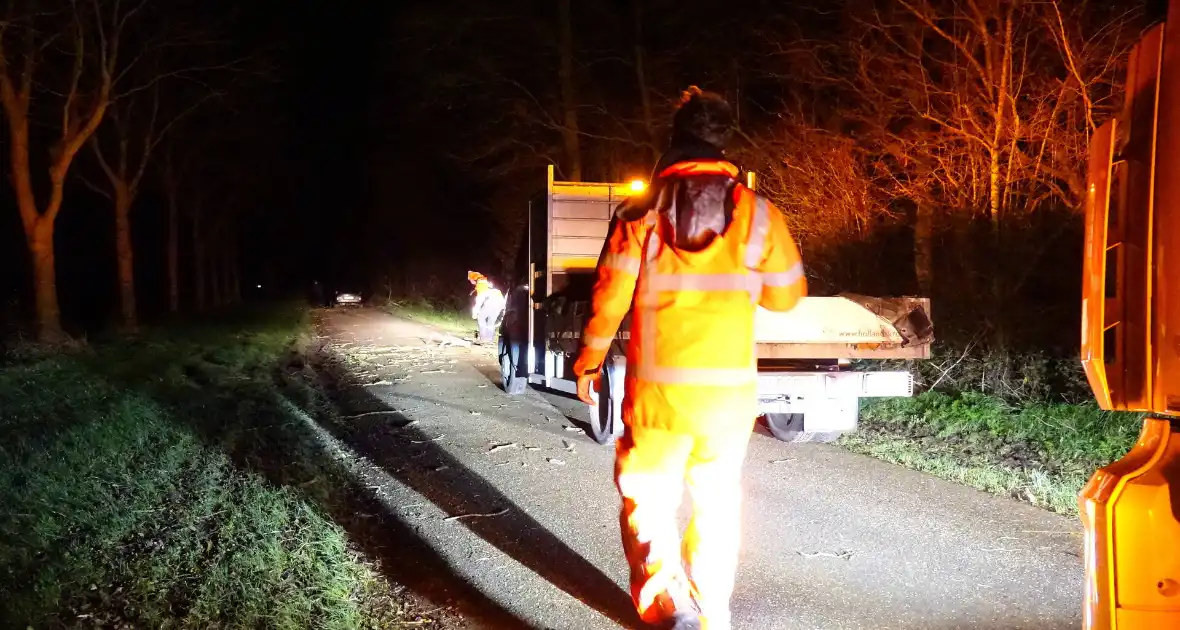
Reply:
x=1131 y=516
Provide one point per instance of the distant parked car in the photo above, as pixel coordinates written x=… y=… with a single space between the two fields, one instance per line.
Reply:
x=347 y=299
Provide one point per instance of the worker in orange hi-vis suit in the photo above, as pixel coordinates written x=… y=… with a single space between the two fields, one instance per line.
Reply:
x=690 y=261
x=488 y=307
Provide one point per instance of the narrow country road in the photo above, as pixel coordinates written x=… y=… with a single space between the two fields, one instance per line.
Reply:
x=514 y=500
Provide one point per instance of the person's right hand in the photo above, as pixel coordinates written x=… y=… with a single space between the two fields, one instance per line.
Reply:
x=585 y=382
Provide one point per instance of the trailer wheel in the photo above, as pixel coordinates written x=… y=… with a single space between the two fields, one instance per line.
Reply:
x=510 y=379
x=788 y=427
x=606 y=418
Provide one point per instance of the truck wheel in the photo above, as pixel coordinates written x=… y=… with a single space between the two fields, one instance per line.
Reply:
x=510 y=379
x=606 y=418
x=788 y=427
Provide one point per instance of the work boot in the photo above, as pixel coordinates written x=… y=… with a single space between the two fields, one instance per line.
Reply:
x=682 y=621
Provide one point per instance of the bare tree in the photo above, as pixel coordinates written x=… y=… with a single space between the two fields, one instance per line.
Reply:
x=87 y=39
x=221 y=254
x=819 y=179
x=178 y=155
x=173 y=76
x=1016 y=83
x=1012 y=90
x=206 y=205
x=135 y=131
x=943 y=114
x=191 y=178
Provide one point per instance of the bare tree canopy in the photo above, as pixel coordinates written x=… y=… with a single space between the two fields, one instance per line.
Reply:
x=891 y=133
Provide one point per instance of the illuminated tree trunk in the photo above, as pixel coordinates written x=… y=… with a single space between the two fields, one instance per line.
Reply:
x=38 y=228
x=999 y=185
x=41 y=251
x=995 y=249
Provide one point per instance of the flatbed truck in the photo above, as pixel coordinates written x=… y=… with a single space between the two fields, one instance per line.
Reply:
x=808 y=388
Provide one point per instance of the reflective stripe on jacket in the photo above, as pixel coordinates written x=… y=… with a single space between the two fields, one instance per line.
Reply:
x=691 y=360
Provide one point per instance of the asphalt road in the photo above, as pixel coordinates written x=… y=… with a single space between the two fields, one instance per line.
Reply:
x=515 y=511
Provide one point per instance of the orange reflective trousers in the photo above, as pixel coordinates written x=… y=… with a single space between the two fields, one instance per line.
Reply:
x=691 y=389
x=652 y=467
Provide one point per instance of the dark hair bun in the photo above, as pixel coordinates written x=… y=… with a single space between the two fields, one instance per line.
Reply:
x=705 y=116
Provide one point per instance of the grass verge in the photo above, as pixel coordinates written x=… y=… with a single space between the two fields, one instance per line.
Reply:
x=448 y=317
x=164 y=483
x=1040 y=452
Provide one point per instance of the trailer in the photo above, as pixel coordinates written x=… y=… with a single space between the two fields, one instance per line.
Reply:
x=809 y=389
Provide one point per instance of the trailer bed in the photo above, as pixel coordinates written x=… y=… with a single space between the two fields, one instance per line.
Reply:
x=839 y=327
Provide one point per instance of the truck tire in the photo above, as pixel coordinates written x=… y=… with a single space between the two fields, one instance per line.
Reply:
x=510 y=379
x=788 y=427
x=606 y=418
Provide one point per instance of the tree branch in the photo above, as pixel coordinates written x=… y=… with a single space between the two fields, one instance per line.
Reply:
x=1062 y=38
x=102 y=161
x=149 y=142
x=95 y=187
x=76 y=77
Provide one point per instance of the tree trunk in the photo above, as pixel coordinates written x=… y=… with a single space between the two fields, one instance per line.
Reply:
x=40 y=241
x=173 y=253
x=569 y=103
x=124 y=253
x=235 y=277
x=217 y=298
x=227 y=289
x=999 y=187
x=924 y=248
x=999 y=281
x=38 y=229
x=200 y=278
x=641 y=77
x=235 y=273
x=995 y=219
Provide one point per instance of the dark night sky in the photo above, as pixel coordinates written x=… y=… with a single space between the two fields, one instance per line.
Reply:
x=330 y=97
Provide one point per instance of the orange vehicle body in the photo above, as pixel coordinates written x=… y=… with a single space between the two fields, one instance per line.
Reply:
x=1131 y=343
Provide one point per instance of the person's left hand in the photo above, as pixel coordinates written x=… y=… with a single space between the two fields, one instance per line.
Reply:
x=585 y=382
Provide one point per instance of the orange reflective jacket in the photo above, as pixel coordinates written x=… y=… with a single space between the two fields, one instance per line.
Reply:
x=691 y=360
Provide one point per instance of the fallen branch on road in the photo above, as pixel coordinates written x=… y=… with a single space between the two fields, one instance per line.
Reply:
x=500 y=447
x=477 y=515
x=842 y=555
x=367 y=414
